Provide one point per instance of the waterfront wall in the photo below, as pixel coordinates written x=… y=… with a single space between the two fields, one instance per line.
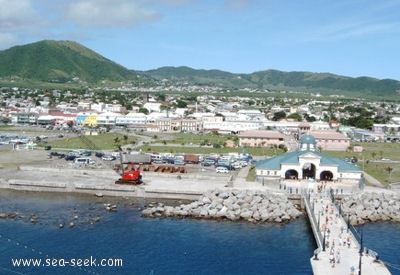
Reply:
x=371 y=207
x=232 y=204
x=102 y=181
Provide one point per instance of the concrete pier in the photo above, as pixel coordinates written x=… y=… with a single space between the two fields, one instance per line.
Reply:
x=95 y=181
x=339 y=250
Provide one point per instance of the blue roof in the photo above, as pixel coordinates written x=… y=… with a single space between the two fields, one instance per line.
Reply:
x=308 y=139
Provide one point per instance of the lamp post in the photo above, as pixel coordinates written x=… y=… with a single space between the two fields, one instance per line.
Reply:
x=319 y=213
x=361 y=251
x=363 y=161
x=348 y=222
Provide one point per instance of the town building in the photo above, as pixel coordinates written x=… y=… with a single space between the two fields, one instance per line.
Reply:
x=131 y=119
x=307 y=163
x=178 y=125
x=331 y=140
x=261 y=138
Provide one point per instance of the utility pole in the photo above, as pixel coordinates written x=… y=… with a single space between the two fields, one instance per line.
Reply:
x=361 y=251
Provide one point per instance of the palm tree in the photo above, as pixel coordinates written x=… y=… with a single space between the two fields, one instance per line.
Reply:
x=389 y=170
x=125 y=137
x=117 y=142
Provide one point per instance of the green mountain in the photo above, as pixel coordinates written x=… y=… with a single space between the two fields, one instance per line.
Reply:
x=199 y=77
x=59 y=61
x=65 y=62
x=324 y=83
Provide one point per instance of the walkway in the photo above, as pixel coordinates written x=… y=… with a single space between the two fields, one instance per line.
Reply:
x=340 y=253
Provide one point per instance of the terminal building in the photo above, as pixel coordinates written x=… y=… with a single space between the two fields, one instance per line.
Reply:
x=307 y=163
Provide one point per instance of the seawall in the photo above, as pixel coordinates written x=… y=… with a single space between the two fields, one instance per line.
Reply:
x=96 y=181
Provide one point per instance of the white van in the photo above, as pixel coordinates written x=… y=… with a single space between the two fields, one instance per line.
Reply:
x=222 y=169
x=84 y=161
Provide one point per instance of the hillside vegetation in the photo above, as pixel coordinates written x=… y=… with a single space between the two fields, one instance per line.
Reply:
x=59 y=61
x=324 y=83
x=66 y=62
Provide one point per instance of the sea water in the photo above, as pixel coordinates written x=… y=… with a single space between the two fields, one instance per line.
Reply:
x=138 y=245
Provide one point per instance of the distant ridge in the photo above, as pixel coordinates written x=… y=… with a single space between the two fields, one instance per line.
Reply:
x=324 y=83
x=52 y=61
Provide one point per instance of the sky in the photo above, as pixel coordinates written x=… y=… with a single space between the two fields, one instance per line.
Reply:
x=345 y=37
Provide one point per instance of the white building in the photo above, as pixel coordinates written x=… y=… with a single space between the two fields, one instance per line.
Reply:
x=130 y=119
x=308 y=163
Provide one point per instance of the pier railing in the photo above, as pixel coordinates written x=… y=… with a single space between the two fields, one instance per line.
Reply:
x=358 y=235
x=319 y=238
x=296 y=187
x=306 y=198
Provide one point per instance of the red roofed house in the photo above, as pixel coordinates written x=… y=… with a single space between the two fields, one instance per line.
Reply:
x=334 y=124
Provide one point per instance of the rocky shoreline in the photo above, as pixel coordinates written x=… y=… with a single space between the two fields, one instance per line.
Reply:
x=247 y=205
x=371 y=207
x=265 y=206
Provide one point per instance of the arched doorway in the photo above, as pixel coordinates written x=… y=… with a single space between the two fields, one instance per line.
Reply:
x=291 y=174
x=326 y=175
x=308 y=171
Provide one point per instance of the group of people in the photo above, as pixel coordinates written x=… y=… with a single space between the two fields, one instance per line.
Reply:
x=334 y=257
x=334 y=244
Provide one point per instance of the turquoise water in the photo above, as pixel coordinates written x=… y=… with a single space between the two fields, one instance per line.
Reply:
x=155 y=246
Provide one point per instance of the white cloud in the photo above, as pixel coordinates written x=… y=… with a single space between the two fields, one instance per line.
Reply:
x=18 y=15
x=103 y=13
x=18 y=21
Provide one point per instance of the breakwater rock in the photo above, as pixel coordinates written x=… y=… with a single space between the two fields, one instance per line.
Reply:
x=249 y=205
x=372 y=207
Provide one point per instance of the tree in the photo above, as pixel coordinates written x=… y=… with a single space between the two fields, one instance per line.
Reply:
x=251 y=102
x=160 y=97
x=309 y=118
x=359 y=122
x=389 y=170
x=128 y=106
x=295 y=116
x=279 y=115
x=381 y=119
x=144 y=111
x=181 y=103
x=117 y=142
x=125 y=137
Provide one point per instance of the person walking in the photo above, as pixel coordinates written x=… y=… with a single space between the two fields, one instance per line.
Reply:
x=338 y=256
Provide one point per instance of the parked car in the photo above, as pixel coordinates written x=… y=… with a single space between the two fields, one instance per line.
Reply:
x=221 y=169
x=108 y=157
x=227 y=166
x=179 y=162
x=99 y=154
x=237 y=165
x=84 y=161
x=70 y=157
x=57 y=154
